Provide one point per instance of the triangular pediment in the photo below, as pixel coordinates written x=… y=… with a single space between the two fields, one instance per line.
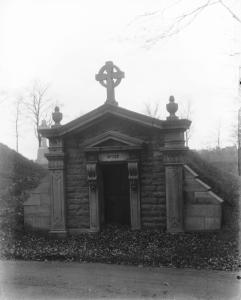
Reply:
x=113 y=139
x=105 y=111
x=102 y=112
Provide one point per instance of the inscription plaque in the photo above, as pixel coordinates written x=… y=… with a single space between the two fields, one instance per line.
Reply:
x=113 y=156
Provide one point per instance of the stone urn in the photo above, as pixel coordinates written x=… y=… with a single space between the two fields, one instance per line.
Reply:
x=172 y=108
x=57 y=116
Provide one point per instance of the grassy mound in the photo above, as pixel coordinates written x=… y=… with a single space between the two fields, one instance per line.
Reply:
x=223 y=158
x=223 y=183
x=17 y=175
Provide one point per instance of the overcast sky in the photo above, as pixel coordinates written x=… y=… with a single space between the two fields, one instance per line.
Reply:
x=65 y=42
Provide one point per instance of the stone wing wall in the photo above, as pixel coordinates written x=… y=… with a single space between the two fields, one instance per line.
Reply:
x=202 y=207
x=37 y=207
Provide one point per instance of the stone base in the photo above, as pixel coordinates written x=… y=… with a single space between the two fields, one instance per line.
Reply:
x=176 y=230
x=58 y=233
x=76 y=231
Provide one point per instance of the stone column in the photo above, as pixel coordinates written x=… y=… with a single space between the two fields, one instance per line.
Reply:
x=173 y=150
x=173 y=161
x=93 y=197
x=57 y=194
x=134 y=195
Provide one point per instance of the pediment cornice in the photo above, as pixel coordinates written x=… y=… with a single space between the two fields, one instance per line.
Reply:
x=112 y=139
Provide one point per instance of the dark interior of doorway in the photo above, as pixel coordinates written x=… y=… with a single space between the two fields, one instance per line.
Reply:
x=116 y=199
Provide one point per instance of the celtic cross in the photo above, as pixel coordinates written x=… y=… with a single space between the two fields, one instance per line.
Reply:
x=110 y=76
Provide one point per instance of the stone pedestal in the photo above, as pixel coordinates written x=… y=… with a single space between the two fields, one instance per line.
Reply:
x=56 y=167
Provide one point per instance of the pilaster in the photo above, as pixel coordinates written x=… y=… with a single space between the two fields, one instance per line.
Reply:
x=93 y=197
x=174 y=197
x=134 y=195
x=57 y=194
x=173 y=153
x=173 y=161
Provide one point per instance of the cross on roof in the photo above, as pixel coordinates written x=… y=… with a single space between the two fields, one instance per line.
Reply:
x=110 y=76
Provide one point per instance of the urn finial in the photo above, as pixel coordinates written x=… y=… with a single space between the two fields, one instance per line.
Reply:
x=172 y=108
x=57 y=116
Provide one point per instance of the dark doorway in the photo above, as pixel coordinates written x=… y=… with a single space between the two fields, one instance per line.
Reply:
x=116 y=203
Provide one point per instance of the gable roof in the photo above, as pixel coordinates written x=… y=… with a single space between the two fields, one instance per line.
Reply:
x=111 y=110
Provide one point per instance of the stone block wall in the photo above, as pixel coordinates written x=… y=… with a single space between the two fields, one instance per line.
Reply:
x=152 y=173
x=37 y=207
x=202 y=207
x=76 y=185
x=153 y=198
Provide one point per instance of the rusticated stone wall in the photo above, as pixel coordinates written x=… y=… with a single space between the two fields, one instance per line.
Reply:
x=77 y=190
x=152 y=173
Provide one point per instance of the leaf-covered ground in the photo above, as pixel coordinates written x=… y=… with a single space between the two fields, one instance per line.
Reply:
x=119 y=245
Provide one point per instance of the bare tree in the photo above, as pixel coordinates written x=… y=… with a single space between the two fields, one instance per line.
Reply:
x=152 y=110
x=219 y=127
x=186 y=113
x=38 y=106
x=18 y=110
x=179 y=23
x=239 y=141
x=3 y=96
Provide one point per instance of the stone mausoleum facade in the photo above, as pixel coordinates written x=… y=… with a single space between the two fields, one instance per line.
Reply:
x=116 y=166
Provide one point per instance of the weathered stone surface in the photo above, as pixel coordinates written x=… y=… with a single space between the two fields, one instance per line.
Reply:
x=37 y=207
x=153 y=157
x=151 y=169
x=174 y=198
x=202 y=208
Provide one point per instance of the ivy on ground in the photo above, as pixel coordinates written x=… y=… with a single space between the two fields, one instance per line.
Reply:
x=119 y=245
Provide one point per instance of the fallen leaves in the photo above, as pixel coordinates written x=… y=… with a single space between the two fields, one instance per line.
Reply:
x=120 y=245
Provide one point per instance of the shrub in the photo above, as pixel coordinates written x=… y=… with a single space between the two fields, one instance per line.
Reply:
x=17 y=175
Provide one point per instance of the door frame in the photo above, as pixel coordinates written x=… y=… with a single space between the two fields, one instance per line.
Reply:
x=95 y=189
x=101 y=183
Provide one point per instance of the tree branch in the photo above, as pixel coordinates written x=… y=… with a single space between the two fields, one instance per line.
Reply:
x=177 y=26
x=230 y=11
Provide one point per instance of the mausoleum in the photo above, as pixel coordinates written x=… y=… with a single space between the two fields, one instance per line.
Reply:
x=113 y=165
